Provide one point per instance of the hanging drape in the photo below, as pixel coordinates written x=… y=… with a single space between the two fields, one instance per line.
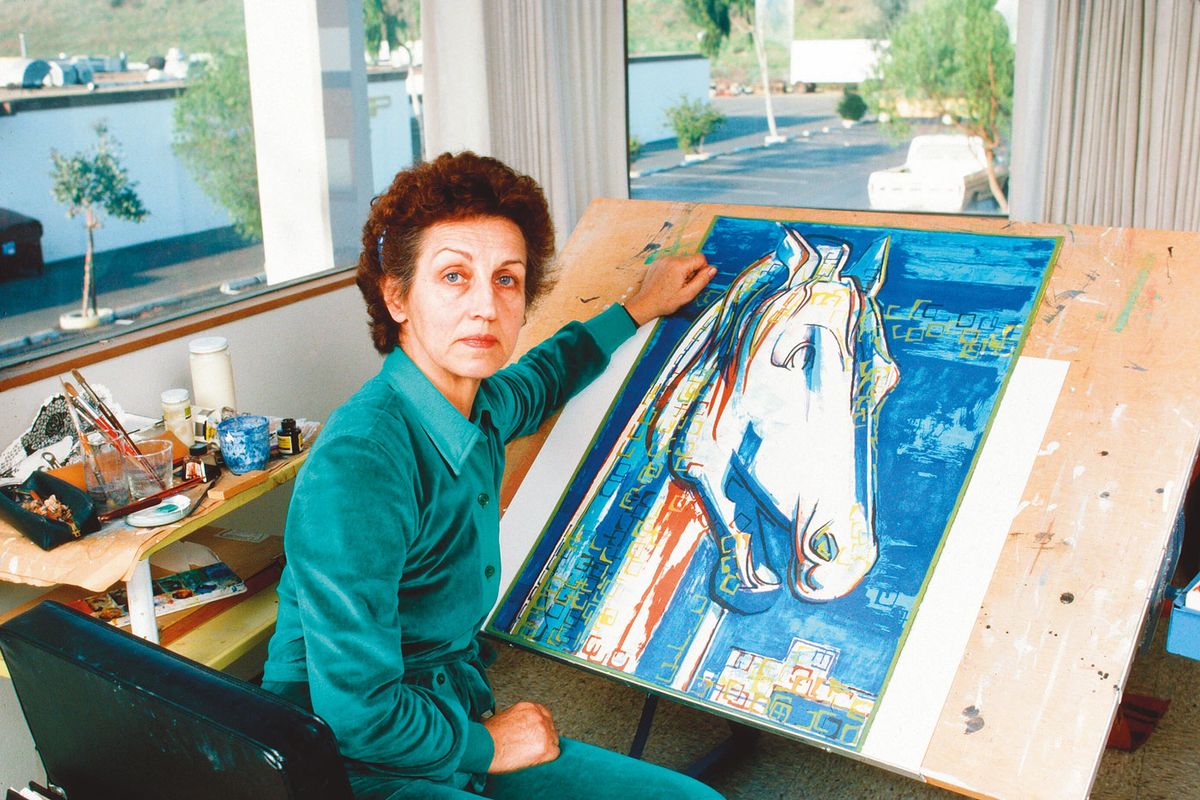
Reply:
x=539 y=84
x=1122 y=125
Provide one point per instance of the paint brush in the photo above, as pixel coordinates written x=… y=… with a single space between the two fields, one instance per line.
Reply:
x=124 y=445
x=104 y=409
x=85 y=447
x=94 y=418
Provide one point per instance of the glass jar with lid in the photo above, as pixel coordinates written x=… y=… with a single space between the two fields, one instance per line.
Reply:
x=212 y=373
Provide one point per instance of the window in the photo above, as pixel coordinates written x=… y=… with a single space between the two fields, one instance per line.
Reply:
x=847 y=129
x=172 y=99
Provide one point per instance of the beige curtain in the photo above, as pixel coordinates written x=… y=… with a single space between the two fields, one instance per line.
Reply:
x=539 y=84
x=1123 y=122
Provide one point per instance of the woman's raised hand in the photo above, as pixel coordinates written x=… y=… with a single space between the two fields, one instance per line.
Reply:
x=670 y=282
x=524 y=735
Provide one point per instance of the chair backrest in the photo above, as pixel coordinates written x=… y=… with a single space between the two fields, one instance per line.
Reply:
x=115 y=716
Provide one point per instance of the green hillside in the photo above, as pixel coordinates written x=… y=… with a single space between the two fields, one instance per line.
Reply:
x=845 y=19
x=662 y=26
x=140 y=28
x=659 y=26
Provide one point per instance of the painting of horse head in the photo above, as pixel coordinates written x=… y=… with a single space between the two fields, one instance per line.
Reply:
x=773 y=470
x=769 y=418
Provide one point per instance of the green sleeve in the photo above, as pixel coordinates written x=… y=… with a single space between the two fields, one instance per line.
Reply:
x=354 y=508
x=540 y=383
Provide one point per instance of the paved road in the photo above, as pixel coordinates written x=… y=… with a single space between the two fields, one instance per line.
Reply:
x=824 y=170
x=130 y=280
x=746 y=124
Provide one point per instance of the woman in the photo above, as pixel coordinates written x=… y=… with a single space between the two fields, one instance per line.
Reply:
x=392 y=535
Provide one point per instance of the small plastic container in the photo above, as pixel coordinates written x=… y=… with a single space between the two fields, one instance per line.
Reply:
x=171 y=509
x=1183 y=632
x=177 y=415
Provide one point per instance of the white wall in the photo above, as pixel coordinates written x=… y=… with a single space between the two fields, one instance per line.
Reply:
x=302 y=360
x=144 y=131
x=298 y=361
x=657 y=82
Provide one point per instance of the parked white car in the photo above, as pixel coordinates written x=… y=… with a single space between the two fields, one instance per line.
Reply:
x=943 y=172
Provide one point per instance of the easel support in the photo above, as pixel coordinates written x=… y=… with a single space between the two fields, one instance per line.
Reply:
x=741 y=739
x=638 y=746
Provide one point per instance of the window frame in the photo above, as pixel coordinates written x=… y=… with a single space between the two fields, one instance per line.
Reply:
x=337 y=80
x=131 y=341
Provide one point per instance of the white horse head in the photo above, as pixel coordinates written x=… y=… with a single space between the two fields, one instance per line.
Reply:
x=769 y=416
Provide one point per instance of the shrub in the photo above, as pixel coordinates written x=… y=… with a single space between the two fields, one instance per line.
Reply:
x=692 y=120
x=214 y=137
x=635 y=148
x=851 y=106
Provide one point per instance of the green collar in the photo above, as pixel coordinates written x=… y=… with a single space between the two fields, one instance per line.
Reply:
x=451 y=433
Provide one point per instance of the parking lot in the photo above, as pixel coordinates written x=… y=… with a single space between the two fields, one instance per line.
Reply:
x=821 y=165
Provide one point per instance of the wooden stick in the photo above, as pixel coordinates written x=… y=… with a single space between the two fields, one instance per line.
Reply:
x=148 y=500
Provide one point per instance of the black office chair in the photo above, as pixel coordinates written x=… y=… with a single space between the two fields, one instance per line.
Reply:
x=114 y=716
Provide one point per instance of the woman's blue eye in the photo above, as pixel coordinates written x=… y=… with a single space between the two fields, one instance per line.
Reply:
x=453 y=277
x=507 y=280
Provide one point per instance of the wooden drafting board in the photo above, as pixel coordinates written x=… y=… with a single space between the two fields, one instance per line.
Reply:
x=1047 y=643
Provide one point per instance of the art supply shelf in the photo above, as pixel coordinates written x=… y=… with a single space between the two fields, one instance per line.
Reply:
x=229 y=628
x=233 y=633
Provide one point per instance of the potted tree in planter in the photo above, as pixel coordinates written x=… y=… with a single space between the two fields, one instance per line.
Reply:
x=851 y=107
x=692 y=120
x=91 y=182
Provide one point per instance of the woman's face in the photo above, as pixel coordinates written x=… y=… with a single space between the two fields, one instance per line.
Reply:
x=460 y=319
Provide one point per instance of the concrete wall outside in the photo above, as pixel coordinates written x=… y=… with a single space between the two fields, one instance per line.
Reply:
x=176 y=204
x=144 y=130
x=658 y=82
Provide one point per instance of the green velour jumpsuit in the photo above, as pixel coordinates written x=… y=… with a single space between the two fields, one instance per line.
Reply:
x=393 y=563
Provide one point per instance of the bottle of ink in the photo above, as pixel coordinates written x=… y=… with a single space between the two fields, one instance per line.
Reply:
x=291 y=440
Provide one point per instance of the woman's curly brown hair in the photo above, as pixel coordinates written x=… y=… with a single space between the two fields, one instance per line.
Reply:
x=451 y=187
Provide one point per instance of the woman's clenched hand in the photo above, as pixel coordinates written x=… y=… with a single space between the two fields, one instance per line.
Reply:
x=524 y=735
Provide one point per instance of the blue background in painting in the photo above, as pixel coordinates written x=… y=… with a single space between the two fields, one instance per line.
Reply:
x=929 y=430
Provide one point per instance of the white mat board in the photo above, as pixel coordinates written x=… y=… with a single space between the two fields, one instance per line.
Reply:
x=916 y=692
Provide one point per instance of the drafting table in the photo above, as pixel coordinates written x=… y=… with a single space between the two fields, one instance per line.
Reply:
x=1014 y=689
